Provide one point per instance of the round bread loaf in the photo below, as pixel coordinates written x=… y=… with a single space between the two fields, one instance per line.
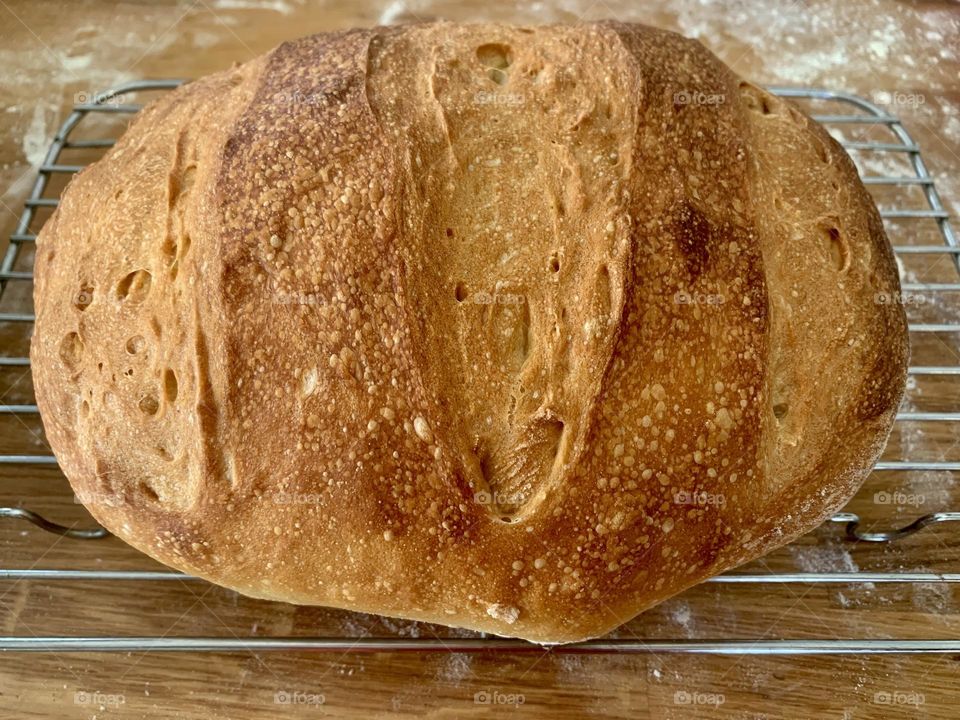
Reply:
x=516 y=329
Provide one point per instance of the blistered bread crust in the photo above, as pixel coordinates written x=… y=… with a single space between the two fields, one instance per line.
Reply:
x=522 y=330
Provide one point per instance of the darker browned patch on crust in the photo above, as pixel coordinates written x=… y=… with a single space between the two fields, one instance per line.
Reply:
x=693 y=234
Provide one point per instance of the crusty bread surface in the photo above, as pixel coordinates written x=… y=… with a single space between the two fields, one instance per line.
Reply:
x=515 y=329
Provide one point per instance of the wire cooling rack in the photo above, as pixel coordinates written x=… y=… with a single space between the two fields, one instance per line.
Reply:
x=855 y=114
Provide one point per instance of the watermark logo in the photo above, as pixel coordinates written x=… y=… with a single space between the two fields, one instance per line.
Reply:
x=495 y=697
x=912 y=100
x=899 y=298
x=295 y=498
x=699 y=499
x=497 y=498
x=898 y=697
x=296 y=697
x=298 y=98
x=697 y=298
x=99 y=699
x=688 y=697
x=97 y=498
x=499 y=298
x=83 y=299
x=86 y=97
x=695 y=97
x=898 y=498
x=496 y=98
x=293 y=298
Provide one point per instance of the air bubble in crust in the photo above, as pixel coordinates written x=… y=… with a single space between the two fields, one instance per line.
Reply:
x=496 y=58
x=71 y=351
x=149 y=492
x=756 y=99
x=821 y=151
x=149 y=405
x=170 y=386
x=169 y=250
x=836 y=247
x=84 y=297
x=135 y=344
x=796 y=116
x=135 y=286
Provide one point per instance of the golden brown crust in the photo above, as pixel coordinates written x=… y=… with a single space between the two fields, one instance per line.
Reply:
x=516 y=329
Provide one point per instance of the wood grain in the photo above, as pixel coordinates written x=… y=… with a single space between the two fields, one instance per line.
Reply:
x=52 y=52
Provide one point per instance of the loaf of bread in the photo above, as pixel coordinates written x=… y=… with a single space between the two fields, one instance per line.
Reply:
x=517 y=329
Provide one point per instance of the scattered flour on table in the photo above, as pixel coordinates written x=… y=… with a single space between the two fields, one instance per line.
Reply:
x=832 y=558
x=391 y=12
x=571 y=667
x=870 y=40
x=402 y=628
x=933 y=598
x=823 y=558
x=36 y=138
x=352 y=625
x=279 y=6
x=681 y=615
x=951 y=128
x=454 y=668
x=203 y=39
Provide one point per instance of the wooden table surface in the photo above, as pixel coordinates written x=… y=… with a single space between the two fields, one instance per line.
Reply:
x=902 y=55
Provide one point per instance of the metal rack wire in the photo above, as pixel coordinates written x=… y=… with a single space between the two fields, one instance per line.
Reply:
x=864 y=113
